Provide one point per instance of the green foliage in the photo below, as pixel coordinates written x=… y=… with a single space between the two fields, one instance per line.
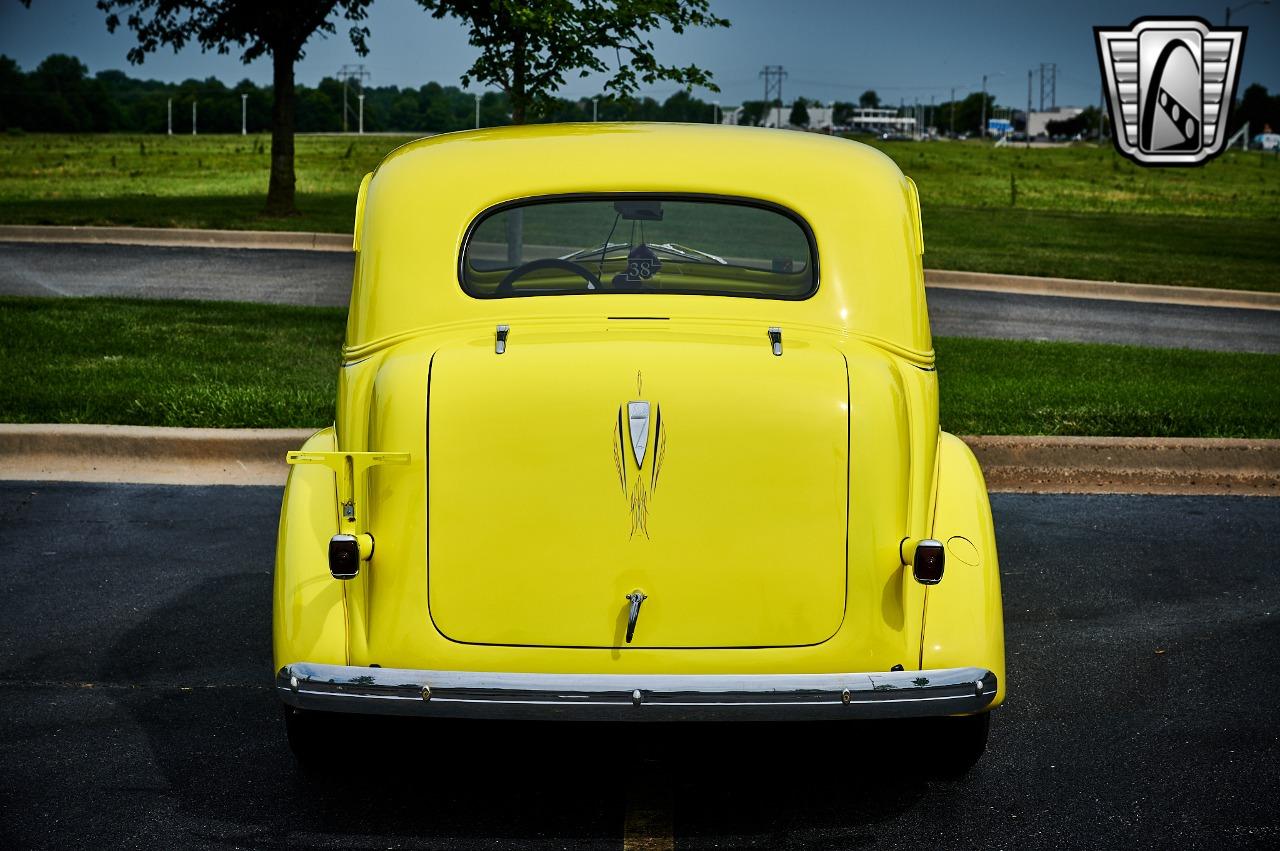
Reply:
x=869 y=99
x=799 y=113
x=139 y=106
x=527 y=49
x=1085 y=124
x=223 y=364
x=1014 y=387
x=257 y=28
x=216 y=364
x=1260 y=109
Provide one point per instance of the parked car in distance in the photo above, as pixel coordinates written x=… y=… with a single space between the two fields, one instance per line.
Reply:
x=638 y=422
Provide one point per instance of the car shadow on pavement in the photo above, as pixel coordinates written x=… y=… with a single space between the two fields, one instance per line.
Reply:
x=207 y=707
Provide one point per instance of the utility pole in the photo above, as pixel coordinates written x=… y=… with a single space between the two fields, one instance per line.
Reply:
x=193 y=118
x=952 y=130
x=362 y=113
x=477 y=111
x=244 y=114
x=170 y=116
x=595 y=109
x=715 y=112
x=1027 y=129
x=982 y=122
x=773 y=76
x=1102 y=110
x=345 y=74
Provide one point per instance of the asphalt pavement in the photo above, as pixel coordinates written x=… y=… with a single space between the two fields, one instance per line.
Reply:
x=324 y=278
x=136 y=708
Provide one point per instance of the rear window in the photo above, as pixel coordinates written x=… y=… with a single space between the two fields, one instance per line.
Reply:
x=632 y=243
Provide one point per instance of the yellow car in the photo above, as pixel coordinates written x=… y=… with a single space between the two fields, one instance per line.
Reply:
x=638 y=422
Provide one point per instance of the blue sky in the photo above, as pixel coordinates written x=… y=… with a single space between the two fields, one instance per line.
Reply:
x=831 y=50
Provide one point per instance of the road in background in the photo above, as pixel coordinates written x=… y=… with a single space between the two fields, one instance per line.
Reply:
x=136 y=708
x=324 y=278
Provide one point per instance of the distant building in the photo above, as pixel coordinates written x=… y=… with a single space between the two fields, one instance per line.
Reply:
x=822 y=118
x=1038 y=122
x=882 y=120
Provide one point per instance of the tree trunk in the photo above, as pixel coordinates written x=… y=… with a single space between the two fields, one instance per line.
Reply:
x=280 y=200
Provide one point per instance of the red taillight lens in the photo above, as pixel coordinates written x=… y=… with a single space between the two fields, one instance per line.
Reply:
x=929 y=562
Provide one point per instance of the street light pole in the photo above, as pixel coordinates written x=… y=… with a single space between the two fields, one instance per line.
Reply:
x=982 y=131
x=477 y=111
x=715 y=112
x=1027 y=128
x=244 y=114
x=193 y=118
x=595 y=109
x=362 y=113
x=170 y=116
x=982 y=122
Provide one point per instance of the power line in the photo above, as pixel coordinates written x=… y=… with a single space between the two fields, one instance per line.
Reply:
x=773 y=76
x=1049 y=83
x=359 y=74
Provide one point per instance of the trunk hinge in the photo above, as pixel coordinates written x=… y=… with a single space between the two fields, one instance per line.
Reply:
x=500 y=341
x=353 y=538
x=775 y=339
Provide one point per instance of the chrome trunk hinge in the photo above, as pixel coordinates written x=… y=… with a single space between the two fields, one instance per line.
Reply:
x=500 y=343
x=775 y=339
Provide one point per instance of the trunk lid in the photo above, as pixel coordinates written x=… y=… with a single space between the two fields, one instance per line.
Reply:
x=701 y=470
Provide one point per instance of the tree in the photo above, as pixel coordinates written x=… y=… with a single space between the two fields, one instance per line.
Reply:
x=1257 y=107
x=869 y=99
x=526 y=49
x=799 y=113
x=280 y=28
x=1085 y=124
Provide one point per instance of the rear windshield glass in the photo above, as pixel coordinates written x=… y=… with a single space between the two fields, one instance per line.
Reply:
x=639 y=244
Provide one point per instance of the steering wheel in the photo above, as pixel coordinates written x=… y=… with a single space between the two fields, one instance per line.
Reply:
x=506 y=284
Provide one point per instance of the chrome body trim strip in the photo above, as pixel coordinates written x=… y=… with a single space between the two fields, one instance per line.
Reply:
x=636 y=697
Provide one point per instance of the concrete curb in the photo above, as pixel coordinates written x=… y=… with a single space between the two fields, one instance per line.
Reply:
x=98 y=453
x=1105 y=290
x=144 y=454
x=939 y=278
x=177 y=237
x=1129 y=464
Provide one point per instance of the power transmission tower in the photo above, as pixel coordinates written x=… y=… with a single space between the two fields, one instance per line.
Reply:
x=773 y=76
x=1049 y=83
x=345 y=74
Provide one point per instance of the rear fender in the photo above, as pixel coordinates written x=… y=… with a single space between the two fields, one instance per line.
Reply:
x=964 y=616
x=309 y=618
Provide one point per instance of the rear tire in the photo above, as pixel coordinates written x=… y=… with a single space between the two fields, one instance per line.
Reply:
x=958 y=743
x=308 y=736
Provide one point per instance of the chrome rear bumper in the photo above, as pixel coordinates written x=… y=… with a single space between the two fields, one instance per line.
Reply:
x=636 y=697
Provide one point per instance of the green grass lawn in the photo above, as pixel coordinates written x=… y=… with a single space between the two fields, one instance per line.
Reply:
x=1080 y=212
x=225 y=364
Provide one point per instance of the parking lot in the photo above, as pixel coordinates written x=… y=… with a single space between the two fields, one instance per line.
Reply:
x=137 y=707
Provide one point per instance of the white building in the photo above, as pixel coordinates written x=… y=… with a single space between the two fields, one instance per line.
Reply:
x=823 y=118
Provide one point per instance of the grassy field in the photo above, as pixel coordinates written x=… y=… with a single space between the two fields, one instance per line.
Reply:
x=1081 y=212
x=224 y=364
